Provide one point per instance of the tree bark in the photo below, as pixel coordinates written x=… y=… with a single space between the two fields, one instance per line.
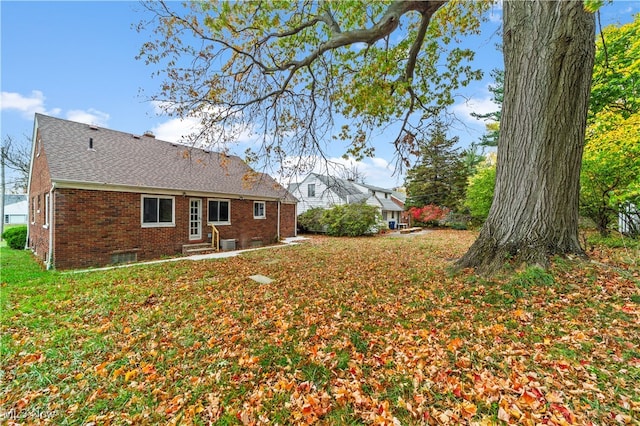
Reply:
x=548 y=53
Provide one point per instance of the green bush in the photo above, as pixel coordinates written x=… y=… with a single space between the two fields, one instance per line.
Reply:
x=352 y=220
x=310 y=221
x=480 y=192
x=16 y=237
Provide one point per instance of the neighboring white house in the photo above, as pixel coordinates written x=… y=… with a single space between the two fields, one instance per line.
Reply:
x=16 y=209
x=326 y=191
x=629 y=219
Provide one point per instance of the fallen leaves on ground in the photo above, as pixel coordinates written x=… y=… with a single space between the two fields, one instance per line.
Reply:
x=367 y=330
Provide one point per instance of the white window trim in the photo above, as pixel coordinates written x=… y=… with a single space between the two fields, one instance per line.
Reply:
x=264 y=210
x=46 y=210
x=171 y=224
x=228 y=222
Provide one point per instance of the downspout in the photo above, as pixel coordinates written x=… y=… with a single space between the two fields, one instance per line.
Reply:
x=51 y=225
x=278 y=221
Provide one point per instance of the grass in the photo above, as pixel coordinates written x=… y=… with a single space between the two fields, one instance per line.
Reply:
x=351 y=331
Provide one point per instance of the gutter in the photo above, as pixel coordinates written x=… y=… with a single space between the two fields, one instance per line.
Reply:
x=51 y=225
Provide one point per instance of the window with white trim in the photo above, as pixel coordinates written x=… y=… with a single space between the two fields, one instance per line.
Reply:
x=219 y=212
x=157 y=211
x=259 y=210
x=311 y=190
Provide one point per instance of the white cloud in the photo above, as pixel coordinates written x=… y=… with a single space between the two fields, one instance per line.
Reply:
x=27 y=105
x=481 y=105
x=495 y=12
x=180 y=129
x=176 y=129
x=90 y=116
x=33 y=103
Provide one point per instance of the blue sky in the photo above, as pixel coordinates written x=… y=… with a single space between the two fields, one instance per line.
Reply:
x=76 y=60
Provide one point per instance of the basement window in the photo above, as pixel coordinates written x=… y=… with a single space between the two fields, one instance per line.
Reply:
x=126 y=257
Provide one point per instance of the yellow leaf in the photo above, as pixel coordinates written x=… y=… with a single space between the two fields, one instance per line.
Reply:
x=130 y=375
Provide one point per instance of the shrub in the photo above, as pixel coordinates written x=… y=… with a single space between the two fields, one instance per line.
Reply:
x=429 y=215
x=16 y=237
x=457 y=221
x=351 y=220
x=310 y=221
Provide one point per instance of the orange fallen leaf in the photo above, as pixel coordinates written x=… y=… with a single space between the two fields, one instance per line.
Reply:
x=455 y=344
x=468 y=409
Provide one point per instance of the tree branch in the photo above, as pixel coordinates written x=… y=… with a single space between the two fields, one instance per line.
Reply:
x=387 y=24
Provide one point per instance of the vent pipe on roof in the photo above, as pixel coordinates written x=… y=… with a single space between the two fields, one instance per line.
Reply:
x=90 y=143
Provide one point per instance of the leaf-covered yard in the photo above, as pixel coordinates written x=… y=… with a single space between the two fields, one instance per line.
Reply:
x=351 y=331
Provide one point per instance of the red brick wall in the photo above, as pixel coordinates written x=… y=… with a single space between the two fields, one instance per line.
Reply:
x=40 y=185
x=287 y=220
x=92 y=225
x=245 y=229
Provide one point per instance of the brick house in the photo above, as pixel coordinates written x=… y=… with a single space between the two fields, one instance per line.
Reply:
x=99 y=196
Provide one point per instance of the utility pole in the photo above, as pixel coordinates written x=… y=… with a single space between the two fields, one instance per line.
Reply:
x=3 y=189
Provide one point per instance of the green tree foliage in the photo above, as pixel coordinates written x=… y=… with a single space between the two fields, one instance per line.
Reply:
x=616 y=71
x=16 y=237
x=439 y=176
x=480 y=191
x=351 y=220
x=471 y=158
x=610 y=176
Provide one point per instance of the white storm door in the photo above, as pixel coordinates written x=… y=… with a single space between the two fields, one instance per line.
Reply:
x=195 y=219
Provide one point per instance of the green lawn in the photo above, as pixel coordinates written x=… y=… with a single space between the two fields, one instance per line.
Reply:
x=351 y=331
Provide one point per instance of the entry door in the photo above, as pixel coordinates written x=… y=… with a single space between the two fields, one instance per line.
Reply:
x=195 y=219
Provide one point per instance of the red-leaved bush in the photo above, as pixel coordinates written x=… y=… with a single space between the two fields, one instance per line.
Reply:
x=428 y=213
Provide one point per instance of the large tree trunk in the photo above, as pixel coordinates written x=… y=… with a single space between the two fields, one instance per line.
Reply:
x=548 y=54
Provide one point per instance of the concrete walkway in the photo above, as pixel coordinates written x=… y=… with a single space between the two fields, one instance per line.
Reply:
x=195 y=257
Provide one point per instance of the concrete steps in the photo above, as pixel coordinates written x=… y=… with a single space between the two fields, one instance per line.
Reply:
x=198 y=248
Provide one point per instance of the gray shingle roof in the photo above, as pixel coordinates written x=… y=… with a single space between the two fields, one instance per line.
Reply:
x=14 y=198
x=343 y=188
x=122 y=159
x=389 y=205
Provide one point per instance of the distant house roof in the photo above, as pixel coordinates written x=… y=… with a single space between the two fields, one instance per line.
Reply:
x=85 y=154
x=19 y=208
x=345 y=189
x=388 y=204
x=14 y=198
x=400 y=196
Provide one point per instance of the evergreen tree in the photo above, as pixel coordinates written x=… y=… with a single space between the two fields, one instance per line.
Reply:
x=439 y=176
x=490 y=138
